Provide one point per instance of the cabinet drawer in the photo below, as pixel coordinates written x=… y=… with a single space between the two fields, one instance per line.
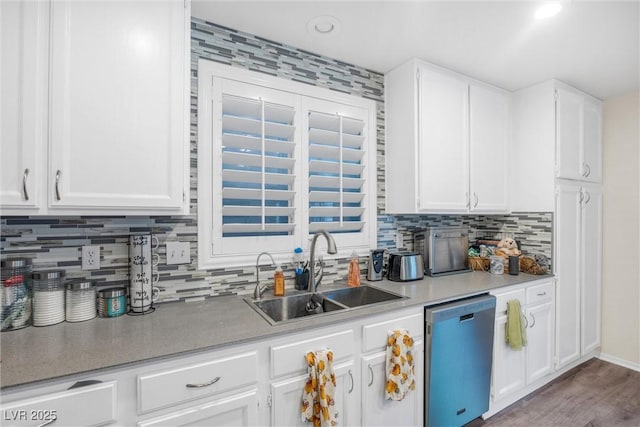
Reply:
x=374 y=337
x=84 y=406
x=289 y=358
x=540 y=293
x=169 y=387
x=503 y=298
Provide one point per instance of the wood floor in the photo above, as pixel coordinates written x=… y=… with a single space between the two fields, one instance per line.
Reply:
x=595 y=394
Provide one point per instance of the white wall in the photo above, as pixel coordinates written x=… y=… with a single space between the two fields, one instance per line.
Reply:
x=621 y=231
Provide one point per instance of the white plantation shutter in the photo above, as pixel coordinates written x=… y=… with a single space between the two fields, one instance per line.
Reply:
x=336 y=168
x=257 y=167
x=278 y=161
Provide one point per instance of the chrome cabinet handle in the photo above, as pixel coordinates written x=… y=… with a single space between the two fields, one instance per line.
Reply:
x=370 y=375
x=526 y=321
x=466 y=195
x=48 y=422
x=24 y=183
x=581 y=197
x=58 y=173
x=587 y=170
x=475 y=196
x=352 y=383
x=533 y=320
x=541 y=294
x=588 y=197
x=213 y=381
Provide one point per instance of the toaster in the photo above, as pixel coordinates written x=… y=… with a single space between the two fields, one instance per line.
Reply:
x=405 y=266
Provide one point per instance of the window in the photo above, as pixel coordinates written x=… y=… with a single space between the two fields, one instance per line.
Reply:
x=278 y=161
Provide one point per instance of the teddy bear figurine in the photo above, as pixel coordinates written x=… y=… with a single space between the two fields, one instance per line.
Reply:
x=507 y=247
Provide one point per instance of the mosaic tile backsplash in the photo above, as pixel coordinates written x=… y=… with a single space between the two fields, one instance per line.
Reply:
x=56 y=242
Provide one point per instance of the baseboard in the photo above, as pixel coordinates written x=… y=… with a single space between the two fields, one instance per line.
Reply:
x=620 y=362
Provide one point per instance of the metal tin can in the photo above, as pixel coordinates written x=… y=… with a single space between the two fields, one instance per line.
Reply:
x=112 y=302
x=15 y=294
x=81 y=300
x=48 y=297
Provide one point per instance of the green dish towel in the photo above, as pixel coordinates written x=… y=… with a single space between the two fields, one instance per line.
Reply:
x=516 y=335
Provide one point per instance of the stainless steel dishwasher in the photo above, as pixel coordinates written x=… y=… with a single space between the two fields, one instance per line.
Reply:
x=458 y=357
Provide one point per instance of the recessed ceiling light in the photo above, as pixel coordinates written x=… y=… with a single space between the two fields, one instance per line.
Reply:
x=548 y=10
x=324 y=26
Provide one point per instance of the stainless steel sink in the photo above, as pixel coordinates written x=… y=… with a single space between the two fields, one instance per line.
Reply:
x=284 y=309
x=361 y=295
x=279 y=310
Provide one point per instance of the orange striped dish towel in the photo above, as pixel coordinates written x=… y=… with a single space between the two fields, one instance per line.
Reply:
x=400 y=365
x=318 y=405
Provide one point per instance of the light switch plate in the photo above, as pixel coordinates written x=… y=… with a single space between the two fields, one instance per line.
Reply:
x=91 y=257
x=178 y=253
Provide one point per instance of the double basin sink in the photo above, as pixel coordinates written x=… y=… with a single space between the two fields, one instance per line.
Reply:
x=283 y=309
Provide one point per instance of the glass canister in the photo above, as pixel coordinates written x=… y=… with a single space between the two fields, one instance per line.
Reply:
x=15 y=295
x=80 y=300
x=112 y=302
x=48 y=297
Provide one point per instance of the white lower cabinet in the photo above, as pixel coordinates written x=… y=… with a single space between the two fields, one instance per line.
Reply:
x=77 y=405
x=236 y=410
x=376 y=410
x=286 y=398
x=360 y=374
x=255 y=384
x=516 y=370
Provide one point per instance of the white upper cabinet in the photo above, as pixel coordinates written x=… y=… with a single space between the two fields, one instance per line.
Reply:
x=443 y=130
x=116 y=139
x=23 y=111
x=446 y=137
x=579 y=136
x=489 y=135
x=557 y=133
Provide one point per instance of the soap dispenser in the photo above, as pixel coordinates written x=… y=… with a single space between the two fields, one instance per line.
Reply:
x=278 y=282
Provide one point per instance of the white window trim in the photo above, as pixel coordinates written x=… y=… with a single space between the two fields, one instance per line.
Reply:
x=207 y=70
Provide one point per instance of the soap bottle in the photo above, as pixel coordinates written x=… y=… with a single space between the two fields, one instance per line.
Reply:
x=278 y=282
x=353 y=278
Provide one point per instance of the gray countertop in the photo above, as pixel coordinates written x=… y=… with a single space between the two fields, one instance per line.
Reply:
x=42 y=353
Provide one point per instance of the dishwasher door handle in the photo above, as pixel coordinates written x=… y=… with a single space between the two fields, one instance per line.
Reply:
x=467 y=317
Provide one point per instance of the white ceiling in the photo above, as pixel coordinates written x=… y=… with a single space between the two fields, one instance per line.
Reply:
x=593 y=45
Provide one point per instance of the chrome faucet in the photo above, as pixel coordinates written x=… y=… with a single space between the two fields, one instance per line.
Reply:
x=331 y=249
x=258 y=291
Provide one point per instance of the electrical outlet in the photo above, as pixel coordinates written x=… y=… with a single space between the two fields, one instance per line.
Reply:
x=399 y=241
x=90 y=257
x=178 y=253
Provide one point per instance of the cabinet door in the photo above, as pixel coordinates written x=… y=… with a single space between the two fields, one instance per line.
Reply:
x=237 y=410
x=287 y=395
x=488 y=119
x=591 y=251
x=117 y=105
x=540 y=341
x=592 y=141
x=567 y=270
x=569 y=128
x=376 y=410
x=508 y=365
x=23 y=119
x=443 y=109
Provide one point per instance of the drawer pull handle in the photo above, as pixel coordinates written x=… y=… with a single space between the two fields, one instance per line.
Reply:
x=352 y=383
x=370 y=375
x=213 y=381
x=541 y=294
x=24 y=184
x=48 y=422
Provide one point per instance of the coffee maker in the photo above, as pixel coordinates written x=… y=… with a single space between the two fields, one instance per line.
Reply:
x=376 y=262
